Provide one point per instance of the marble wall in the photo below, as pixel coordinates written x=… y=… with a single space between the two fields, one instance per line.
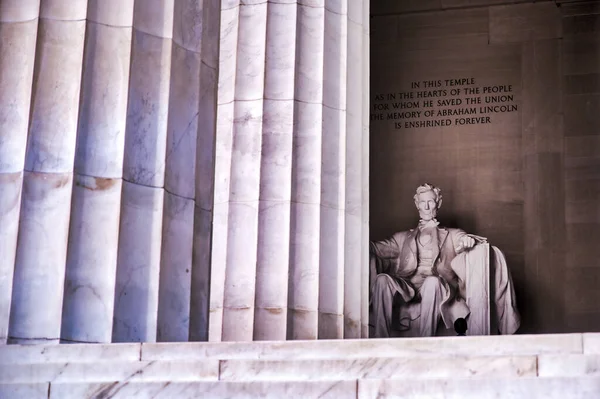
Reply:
x=525 y=178
x=176 y=170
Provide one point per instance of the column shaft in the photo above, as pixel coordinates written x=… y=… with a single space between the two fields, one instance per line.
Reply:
x=178 y=216
x=270 y=318
x=18 y=33
x=96 y=202
x=44 y=220
x=240 y=270
x=354 y=169
x=306 y=174
x=138 y=264
x=333 y=180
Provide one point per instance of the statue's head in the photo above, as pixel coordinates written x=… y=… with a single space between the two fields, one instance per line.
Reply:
x=428 y=199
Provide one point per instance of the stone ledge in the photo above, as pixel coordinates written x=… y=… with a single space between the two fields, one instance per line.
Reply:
x=569 y=365
x=27 y=354
x=207 y=370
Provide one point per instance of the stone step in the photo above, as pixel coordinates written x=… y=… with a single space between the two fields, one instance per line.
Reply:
x=519 y=345
x=418 y=368
x=505 y=388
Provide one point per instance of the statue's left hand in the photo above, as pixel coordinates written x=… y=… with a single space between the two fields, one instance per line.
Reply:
x=467 y=242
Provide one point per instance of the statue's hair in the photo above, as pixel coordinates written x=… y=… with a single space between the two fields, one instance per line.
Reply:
x=429 y=187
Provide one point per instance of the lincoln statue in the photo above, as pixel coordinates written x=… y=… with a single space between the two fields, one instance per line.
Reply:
x=417 y=286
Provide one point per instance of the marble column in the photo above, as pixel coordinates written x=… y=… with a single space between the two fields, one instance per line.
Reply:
x=270 y=314
x=95 y=209
x=306 y=173
x=45 y=208
x=140 y=230
x=178 y=215
x=18 y=33
x=242 y=231
x=333 y=173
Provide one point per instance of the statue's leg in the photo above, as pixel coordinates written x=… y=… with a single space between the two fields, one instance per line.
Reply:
x=432 y=295
x=383 y=291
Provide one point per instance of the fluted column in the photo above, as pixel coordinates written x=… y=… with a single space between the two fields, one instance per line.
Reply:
x=44 y=220
x=178 y=215
x=306 y=173
x=331 y=273
x=242 y=232
x=270 y=317
x=140 y=231
x=94 y=228
x=18 y=32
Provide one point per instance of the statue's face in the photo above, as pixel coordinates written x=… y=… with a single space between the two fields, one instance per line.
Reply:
x=427 y=205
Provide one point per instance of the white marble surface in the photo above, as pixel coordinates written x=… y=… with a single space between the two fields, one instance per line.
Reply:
x=175 y=269
x=201 y=276
x=309 y=55
x=280 y=51
x=66 y=353
x=10 y=201
x=550 y=388
x=147 y=112
x=221 y=389
x=53 y=124
x=19 y=10
x=188 y=24
x=111 y=12
x=103 y=109
x=591 y=343
x=379 y=368
x=29 y=391
x=335 y=60
x=228 y=54
x=494 y=345
x=138 y=264
x=17 y=54
x=206 y=137
x=569 y=365
x=154 y=17
x=73 y=10
x=41 y=254
x=88 y=302
x=182 y=125
x=250 y=68
x=124 y=372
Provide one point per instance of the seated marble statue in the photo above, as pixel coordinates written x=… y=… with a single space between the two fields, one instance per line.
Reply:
x=416 y=282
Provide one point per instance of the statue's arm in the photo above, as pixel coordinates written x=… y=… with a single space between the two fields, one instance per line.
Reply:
x=385 y=249
x=463 y=241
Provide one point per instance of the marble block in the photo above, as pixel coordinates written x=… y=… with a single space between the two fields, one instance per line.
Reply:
x=188 y=24
x=250 y=68
x=10 y=201
x=41 y=255
x=61 y=10
x=591 y=343
x=147 y=113
x=103 y=108
x=94 y=372
x=175 y=269
x=335 y=63
x=19 y=10
x=29 y=391
x=422 y=367
x=111 y=12
x=73 y=353
x=220 y=389
x=493 y=345
x=280 y=53
x=17 y=57
x=138 y=264
x=309 y=54
x=228 y=54
x=53 y=124
x=154 y=17
x=513 y=388
x=91 y=260
x=569 y=365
